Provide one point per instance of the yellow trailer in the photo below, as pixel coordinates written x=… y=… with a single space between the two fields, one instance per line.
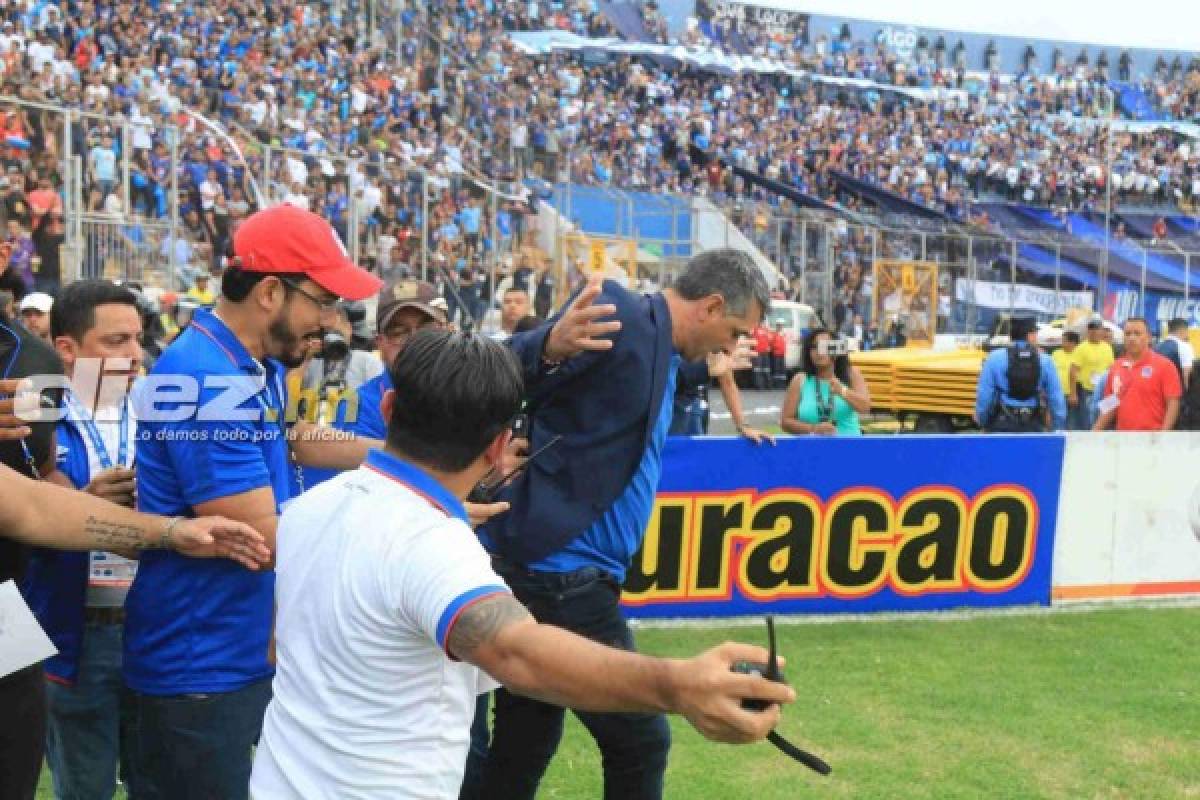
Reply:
x=937 y=389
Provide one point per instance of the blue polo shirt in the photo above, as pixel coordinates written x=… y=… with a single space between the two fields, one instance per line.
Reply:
x=612 y=539
x=368 y=422
x=202 y=625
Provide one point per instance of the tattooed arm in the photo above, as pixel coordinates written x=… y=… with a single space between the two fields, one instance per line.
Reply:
x=556 y=666
x=46 y=515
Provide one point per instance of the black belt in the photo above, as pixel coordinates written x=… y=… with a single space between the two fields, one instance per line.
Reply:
x=107 y=615
x=1020 y=412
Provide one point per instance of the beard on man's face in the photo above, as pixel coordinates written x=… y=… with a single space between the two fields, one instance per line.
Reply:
x=290 y=348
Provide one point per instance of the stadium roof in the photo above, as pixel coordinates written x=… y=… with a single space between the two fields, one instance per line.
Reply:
x=1150 y=25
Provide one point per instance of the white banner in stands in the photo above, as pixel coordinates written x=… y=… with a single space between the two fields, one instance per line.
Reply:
x=1022 y=297
x=535 y=43
x=1129 y=516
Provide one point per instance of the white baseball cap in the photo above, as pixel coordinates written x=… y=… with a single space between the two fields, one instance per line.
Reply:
x=36 y=301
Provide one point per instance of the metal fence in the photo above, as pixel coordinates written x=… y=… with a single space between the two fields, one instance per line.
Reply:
x=828 y=263
x=128 y=224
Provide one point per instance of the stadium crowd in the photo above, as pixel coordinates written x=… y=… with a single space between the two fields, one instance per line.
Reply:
x=358 y=125
x=254 y=103
x=634 y=123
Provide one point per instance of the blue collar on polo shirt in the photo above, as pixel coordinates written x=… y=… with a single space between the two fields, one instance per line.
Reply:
x=211 y=327
x=418 y=481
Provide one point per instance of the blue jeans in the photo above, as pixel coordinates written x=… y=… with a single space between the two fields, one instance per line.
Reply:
x=526 y=732
x=89 y=725
x=690 y=419
x=197 y=746
x=1079 y=416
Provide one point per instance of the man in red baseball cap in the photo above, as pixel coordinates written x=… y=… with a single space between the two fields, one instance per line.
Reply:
x=289 y=240
x=288 y=265
x=197 y=660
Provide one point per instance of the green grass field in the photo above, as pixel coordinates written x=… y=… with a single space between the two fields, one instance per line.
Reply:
x=1083 y=705
x=1102 y=704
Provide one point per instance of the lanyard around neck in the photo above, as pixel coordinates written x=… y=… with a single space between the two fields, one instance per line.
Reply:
x=85 y=420
x=263 y=402
x=824 y=401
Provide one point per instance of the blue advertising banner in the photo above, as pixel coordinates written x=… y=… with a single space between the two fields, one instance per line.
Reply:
x=824 y=525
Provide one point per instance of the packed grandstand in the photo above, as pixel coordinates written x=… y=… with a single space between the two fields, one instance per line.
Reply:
x=428 y=134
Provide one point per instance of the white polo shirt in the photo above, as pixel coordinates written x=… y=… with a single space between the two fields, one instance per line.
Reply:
x=373 y=569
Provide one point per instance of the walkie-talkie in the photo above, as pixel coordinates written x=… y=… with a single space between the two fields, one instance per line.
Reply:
x=771 y=672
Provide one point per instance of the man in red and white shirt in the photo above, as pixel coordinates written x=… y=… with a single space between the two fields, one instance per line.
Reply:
x=1143 y=388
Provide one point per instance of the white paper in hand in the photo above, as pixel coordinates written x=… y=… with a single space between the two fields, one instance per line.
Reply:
x=1108 y=404
x=22 y=640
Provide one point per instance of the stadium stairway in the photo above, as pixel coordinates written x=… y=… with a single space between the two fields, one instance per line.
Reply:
x=714 y=229
x=678 y=226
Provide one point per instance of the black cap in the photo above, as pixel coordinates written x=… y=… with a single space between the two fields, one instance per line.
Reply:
x=1022 y=327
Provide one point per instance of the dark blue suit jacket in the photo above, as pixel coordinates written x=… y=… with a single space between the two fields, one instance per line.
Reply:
x=55 y=585
x=601 y=403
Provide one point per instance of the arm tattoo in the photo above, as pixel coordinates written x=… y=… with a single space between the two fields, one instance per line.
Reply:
x=480 y=623
x=105 y=534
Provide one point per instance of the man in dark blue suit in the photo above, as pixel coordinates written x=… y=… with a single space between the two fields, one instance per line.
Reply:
x=601 y=375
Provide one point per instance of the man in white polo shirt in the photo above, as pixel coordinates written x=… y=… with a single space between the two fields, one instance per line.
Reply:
x=390 y=618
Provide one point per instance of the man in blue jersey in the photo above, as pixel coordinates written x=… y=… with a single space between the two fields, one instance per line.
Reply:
x=79 y=598
x=214 y=439
x=405 y=307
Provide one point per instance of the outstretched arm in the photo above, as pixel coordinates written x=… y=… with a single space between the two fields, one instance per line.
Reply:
x=499 y=636
x=46 y=515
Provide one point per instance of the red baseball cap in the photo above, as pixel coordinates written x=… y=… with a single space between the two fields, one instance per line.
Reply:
x=289 y=239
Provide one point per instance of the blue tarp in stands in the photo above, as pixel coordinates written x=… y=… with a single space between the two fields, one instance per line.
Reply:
x=1133 y=101
x=1156 y=263
x=1120 y=268
x=1039 y=261
x=661 y=219
x=1184 y=225
x=627 y=19
x=1007 y=220
x=782 y=189
x=884 y=199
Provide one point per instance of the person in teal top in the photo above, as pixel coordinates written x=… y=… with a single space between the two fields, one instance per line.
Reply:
x=827 y=396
